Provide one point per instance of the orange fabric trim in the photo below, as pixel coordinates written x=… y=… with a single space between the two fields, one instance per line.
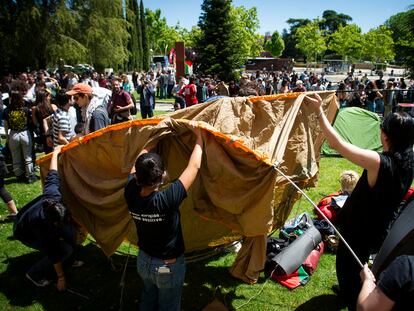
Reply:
x=110 y=128
x=273 y=97
x=115 y=127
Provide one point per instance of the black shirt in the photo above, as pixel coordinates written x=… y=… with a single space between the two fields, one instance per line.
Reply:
x=17 y=119
x=397 y=282
x=368 y=211
x=157 y=218
x=31 y=226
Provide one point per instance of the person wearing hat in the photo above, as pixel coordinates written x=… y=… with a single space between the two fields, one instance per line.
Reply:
x=94 y=112
x=299 y=87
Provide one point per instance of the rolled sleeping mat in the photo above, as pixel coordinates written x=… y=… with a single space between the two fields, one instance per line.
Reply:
x=292 y=256
x=399 y=241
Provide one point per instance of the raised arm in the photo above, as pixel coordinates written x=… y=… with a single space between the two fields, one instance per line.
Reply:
x=367 y=159
x=54 y=160
x=189 y=174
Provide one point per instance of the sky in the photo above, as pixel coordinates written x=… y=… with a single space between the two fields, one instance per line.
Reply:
x=273 y=14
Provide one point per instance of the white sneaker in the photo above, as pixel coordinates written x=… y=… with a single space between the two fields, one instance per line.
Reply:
x=40 y=283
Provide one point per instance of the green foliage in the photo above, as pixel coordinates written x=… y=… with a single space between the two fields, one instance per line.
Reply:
x=331 y=21
x=347 y=41
x=401 y=25
x=190 y=38
x=227 y=38
x=310 y=40
x=161 y=37
x=379 y=45
x=246 y=25
x=275 y=45
x=289 y=37
x=144 y=36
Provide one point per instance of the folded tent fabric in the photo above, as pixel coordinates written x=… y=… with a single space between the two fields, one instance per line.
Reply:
x=237 y=192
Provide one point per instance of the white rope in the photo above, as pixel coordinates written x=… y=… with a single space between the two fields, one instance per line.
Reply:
x=322 y=214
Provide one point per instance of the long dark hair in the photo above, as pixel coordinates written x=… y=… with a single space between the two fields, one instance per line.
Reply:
x=18 y=88
x=399 y=129
x=149 y=169
x=43 y=103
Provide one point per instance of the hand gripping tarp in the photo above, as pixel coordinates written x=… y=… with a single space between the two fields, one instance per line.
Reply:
x=237 y=191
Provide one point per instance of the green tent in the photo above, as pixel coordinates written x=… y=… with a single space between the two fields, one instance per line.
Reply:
x=357 y=126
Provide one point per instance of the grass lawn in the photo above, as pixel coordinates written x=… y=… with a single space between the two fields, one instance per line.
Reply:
x=100 y=279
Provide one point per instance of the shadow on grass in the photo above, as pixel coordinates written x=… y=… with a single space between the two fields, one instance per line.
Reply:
x=96 y=280
x=323 y=302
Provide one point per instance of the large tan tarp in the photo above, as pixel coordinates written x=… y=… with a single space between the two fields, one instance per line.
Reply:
x=237 y=191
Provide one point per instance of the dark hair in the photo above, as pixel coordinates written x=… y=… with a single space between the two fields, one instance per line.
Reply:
x=399 y=129
x=149 y=169
x=43 y=104
x=62 y=98
x=55 y=212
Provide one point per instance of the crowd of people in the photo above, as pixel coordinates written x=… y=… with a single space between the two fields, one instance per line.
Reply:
x=58 y=108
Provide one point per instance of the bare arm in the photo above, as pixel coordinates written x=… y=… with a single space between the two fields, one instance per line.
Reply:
x=54 y=160
x=371 y=298
x=367 y=159
x=61 y=139
x=189 y=174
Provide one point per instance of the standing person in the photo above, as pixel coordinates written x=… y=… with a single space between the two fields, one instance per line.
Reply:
x=121 y=104
x=4 y=194
x=179 y=102
x=17 y=119
x=43 y=224
x=190 y=93
x=171 y=83
x=43 y=109
x=94 y=112
x=368 y=211
x=146 y=91
x=62 y=130
x=202 y=91
x=156 y=213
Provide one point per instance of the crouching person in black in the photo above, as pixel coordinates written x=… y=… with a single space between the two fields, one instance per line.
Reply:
x=43 y=224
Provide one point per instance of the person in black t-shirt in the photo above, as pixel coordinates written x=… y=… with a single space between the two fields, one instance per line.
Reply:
x=367 y=213
x=160 y=261
x=395 y=288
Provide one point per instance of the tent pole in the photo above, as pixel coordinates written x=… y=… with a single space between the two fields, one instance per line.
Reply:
x=320 y=212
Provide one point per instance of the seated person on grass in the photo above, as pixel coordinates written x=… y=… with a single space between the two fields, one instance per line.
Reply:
x=44 y=224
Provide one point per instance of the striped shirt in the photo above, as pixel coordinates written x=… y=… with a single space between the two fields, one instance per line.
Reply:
x=61 y=122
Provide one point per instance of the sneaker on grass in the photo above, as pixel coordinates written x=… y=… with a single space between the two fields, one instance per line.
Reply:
x=39 y=283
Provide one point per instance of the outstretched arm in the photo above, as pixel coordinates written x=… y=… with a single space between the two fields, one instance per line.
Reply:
x=189 y=174
x=367 y=159
x=54 y=160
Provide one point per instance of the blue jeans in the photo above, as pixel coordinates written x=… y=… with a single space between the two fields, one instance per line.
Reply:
x=44 y=267
x=370 y=105
x=379 y=105
x=146 y=112
x=162 y=289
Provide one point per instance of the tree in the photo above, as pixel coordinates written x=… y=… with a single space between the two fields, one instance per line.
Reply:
x=310 y=40
x=275 y=45
x=401 y=25
x=189 y=38
x=289 y=37
x=161 y=37
x=144 y=36
x=139 y=34
x=347 y=41
x=331 y=21
x=131 y=8
x=379 y=45
x=246 y=24
x=219 y=49
x=105 y=33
